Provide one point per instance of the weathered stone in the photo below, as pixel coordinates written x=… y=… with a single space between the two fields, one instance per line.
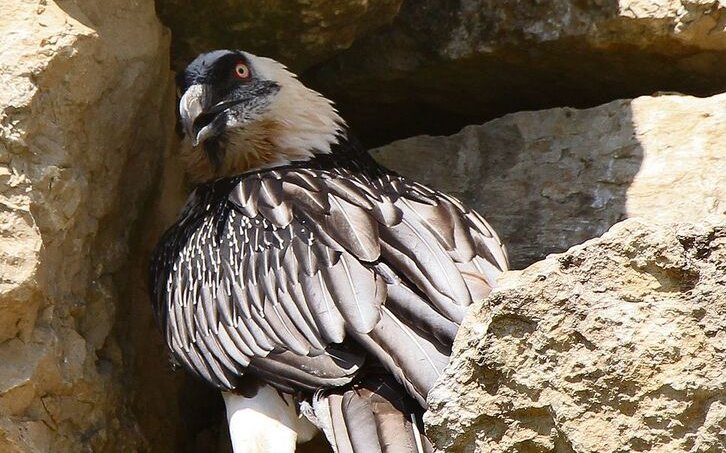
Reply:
x=551 y=179
x=442 y=64
x=617 y=345
x=299 y=33
x=85 y=115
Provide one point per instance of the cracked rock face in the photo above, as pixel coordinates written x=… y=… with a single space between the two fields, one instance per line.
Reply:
x=85 y=114
x=617 y=345
x=443 y=64
x=299 y=33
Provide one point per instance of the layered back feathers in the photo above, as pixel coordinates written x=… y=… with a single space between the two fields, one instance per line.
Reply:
x=297 y=274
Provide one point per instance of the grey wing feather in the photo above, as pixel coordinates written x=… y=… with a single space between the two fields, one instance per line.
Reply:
x=417 y=355
x=356 y=413
x=264 y=273
x=360 y=292
x=375 y=415
x=406 y=304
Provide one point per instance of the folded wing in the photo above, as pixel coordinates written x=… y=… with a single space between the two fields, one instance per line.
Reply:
x=296 y=275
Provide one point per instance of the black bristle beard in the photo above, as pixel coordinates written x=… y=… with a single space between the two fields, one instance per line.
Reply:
x=215 y=152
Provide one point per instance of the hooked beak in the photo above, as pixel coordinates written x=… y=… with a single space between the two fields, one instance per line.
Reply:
x=191 y=106
x=201 y=122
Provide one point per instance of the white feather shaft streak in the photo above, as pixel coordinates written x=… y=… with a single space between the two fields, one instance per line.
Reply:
x=266 y=422
x=416 y=434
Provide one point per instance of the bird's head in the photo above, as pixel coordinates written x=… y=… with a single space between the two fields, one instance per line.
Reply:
x=241 y=112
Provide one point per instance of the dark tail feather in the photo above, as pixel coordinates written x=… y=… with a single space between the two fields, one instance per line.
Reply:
x=376 y=415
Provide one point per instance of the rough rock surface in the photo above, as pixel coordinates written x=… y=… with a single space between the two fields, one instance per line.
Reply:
x=85 y=114
x=444 y=64
x=550 y=179
x=617 y=345
x=298 y=32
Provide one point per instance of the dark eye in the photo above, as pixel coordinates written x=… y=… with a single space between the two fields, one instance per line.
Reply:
x=241 y=71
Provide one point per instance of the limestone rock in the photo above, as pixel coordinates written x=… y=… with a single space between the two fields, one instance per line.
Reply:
x=85 y=115
x=298 y=33
x=617 y=345
x=550 y=179
x=443 y=64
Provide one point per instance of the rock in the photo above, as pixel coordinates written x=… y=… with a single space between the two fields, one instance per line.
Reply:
x=299 y=33
x=85 y=115
x=441 y=65
x=617 y=345
x=551 y=179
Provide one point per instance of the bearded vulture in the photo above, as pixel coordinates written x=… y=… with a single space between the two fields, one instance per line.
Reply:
x=312 y=286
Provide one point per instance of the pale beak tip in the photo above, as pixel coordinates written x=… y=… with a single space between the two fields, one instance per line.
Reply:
x=190 y=107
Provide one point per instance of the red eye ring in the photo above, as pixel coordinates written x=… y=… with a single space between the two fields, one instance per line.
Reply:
x=241 y=71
